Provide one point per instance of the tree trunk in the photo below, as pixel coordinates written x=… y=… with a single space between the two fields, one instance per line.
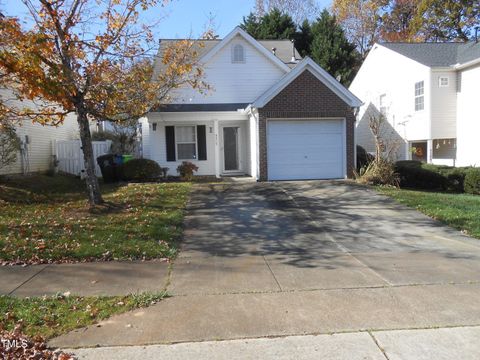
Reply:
x=93 y=188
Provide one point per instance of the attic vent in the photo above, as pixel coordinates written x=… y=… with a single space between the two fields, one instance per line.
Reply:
x=238 y=54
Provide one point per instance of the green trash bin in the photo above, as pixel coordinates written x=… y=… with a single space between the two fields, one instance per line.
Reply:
x=127 y=158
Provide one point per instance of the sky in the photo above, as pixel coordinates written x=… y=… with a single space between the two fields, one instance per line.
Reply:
x=182 y=18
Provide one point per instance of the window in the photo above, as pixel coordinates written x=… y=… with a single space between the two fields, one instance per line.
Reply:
x=419 y=96
x=383 y=104
x=238 y=54
x=186 y=139
x=443 y=81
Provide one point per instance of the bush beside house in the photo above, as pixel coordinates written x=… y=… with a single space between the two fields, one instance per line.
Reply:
x=186 y=170
x=141 y=170
x=472 y=181
x=417 y=175
x=363 y=158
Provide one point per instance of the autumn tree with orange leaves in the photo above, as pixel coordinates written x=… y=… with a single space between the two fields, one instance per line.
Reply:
x=92 y=58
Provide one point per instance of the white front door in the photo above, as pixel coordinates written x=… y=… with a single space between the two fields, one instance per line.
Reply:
x=231 y=153
x=306 y=149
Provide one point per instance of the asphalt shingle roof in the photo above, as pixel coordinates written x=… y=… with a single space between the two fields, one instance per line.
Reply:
x=437 y=54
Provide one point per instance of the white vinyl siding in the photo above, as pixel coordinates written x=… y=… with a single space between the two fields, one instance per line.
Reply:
x=468 y=118
x=154 y=142
x=419 y=96
x=444 y=105
x=231 y=82
x=40 y=150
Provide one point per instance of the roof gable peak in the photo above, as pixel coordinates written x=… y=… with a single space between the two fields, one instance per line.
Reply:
x=238 y=31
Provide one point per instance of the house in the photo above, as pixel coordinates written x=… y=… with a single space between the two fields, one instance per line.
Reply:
x=270 y=115
x=428 y=94
x=37 y=142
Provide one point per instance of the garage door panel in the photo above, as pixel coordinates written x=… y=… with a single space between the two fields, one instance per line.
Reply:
x=305 y=149
x=305 y=127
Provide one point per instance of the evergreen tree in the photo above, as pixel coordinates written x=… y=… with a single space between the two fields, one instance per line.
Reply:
x=274 y=25
x=251 y=24
x=303 y=38
x=331 y=49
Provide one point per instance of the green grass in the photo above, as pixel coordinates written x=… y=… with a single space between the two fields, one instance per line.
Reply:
x=56 y=315
x=46 y=219
x=460 y=211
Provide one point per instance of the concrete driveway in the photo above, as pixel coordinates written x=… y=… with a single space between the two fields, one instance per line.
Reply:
x=294 y=258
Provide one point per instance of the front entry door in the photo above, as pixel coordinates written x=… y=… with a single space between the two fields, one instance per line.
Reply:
x=230 y=148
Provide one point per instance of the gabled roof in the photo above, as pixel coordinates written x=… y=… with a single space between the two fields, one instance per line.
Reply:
x=437 y=54
x=283 y=53
x=310 y=65
x=242 y=33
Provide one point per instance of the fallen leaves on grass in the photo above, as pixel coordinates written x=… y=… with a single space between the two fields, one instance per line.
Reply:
x=51 y=316
x=16 y=346
x=138 y=222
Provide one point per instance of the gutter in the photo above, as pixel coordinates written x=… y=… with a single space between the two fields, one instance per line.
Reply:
x=467 y=64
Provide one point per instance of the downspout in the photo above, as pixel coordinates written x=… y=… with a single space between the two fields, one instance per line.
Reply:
x=356 y=111
x=430 y=119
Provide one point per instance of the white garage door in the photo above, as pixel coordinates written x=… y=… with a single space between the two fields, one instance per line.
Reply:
x=305 y=149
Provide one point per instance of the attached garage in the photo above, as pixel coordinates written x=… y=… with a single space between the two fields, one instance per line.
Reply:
x=306 y=125
x=306 y=149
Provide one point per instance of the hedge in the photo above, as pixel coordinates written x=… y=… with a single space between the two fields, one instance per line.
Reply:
x=472 y=181
x=417 y=175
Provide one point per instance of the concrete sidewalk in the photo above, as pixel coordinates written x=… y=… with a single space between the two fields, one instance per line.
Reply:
x=85 y=279
x=254 y=263
x=424 y=344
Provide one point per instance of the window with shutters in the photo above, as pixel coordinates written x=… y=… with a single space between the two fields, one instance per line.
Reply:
x=186 y=142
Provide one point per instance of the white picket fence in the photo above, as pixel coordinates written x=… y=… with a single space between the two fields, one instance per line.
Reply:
x=70 y=155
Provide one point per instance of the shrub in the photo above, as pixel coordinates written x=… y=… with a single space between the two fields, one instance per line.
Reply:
x=363 y=158
x=413 y=175
x=380 y=172
x=186 y=170
x=472 y=181
x=140 y=170
x=455 y=178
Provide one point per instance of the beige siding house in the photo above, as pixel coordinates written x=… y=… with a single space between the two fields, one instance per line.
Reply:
x=38 y=141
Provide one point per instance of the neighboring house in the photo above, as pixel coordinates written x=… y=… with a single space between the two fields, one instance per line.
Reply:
x=37 y=143
x=428 y=94
x=269 y=115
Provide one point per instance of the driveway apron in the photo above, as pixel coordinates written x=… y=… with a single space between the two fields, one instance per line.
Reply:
x=293 y=258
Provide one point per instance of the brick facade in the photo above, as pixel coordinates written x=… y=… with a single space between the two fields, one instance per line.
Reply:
x=305 y=97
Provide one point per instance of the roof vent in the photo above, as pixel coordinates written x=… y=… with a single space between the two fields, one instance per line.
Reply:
x=294 y=58
x=274 y=51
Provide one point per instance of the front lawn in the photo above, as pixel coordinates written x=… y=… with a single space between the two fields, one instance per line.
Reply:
x=44 y=219
x=460 y=211
x=56 y=315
